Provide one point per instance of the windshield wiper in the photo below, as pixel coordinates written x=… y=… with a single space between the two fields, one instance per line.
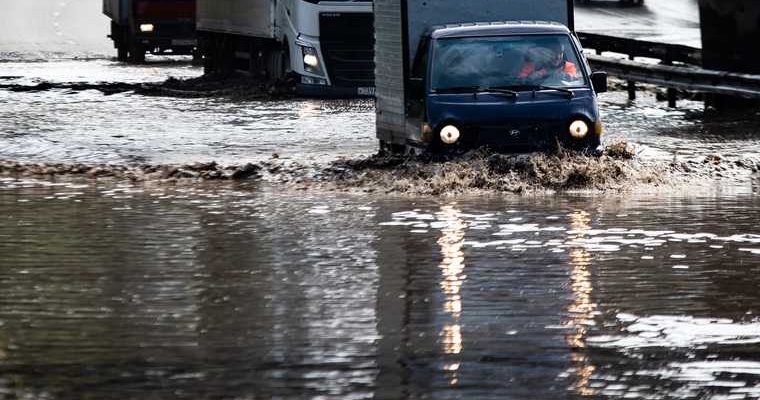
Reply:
x=476 y=89
x=545 y=87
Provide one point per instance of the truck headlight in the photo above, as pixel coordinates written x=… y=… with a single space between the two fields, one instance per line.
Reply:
x=147 y=28
x=578 y=129
x=450 y=134
x=311 y=60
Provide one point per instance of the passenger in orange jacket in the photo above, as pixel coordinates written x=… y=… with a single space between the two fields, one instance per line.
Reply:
x=548 y=62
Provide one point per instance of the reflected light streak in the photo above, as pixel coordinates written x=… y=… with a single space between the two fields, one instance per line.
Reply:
x=452 y=277
x=582 y=310
x=309 y=108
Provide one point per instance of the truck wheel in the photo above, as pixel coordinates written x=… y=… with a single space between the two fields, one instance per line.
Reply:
x=197 y=56
x=279 y=63
x=137 y=53
x=208 y=49
x=122 y=54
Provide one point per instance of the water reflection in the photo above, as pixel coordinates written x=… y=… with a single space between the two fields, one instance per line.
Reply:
x=252 y=293
x=582 y=310
x=452 y=271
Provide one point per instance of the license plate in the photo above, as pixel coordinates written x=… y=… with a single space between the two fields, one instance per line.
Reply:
x=184 y=42
x=365 y=91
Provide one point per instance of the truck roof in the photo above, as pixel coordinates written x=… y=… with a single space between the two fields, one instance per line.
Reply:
x=497 y=28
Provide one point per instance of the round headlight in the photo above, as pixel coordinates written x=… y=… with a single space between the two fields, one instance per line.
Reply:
x=450 y=134
x=311 y=60
x=579 y=129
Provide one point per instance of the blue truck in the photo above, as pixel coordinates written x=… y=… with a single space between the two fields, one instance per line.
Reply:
x=508 y=74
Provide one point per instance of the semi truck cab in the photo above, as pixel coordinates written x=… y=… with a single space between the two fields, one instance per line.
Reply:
x=151 y=26
x=505 y=85
x=327 y=46
x=332 y=45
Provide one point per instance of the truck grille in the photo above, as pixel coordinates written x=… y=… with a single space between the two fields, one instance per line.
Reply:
x=348 y=45
x=175 y=30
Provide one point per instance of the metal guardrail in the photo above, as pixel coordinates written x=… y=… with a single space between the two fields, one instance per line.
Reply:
x=688 y=76
x=668 y=53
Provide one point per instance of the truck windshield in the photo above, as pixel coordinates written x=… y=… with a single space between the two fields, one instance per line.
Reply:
x=506 y=62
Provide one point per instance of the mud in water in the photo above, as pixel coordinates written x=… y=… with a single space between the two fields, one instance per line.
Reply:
x=138 y=173
x=617 y=169
x=229 y=85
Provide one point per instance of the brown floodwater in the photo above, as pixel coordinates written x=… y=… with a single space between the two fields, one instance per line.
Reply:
x=242 y=291
x=257 y=290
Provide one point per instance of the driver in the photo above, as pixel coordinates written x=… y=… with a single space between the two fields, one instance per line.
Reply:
x=548 y=61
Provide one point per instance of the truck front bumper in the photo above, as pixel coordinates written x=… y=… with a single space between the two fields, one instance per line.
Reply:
x=310 y=90
x=168 y=37
x=167 y=45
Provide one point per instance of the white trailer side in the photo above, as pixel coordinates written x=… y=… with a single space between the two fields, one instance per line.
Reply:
x=118 y=10
x=253 y=18
x=399 y=26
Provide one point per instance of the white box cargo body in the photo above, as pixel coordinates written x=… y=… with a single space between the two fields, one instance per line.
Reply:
x=399 y=26
x=254 y=18
x=118 y=10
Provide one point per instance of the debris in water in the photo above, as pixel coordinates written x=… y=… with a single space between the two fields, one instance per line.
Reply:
x=620 y=149
x=166 y=173
x=617 y=168
x=232 y=85
x=481 y=170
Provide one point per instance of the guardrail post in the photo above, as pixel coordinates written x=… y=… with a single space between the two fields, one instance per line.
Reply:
x=672 y=94
x=631 y=86
x=730 y=33
x=672 y=97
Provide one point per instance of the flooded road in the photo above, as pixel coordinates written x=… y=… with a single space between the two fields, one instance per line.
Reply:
x=246 y=291
x=661 y=21
x=253 y=289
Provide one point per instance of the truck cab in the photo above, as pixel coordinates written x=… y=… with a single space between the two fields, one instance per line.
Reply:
x=326 y=47
x=151 y=26
x=446 y=81
x=505 y=85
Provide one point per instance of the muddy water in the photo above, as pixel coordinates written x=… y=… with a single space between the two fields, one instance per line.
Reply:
x=662 y=21
x=63 y=125
x=89 y=126
x=246 y=291
x=256 y=290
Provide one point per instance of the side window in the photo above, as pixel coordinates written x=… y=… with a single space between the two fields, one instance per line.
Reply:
x=419 y=67
x=416 y=89
x=578 y=44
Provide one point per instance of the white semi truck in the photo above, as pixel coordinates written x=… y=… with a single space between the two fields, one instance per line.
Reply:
x=326 y=46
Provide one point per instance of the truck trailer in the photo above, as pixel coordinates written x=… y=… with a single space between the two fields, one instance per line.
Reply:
x=326 y=46
x=151 y=26
x=508 y=74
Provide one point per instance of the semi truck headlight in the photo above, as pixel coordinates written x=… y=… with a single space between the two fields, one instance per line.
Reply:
x=578 y=129
x=146 y=28
x=450 y=134
x=311 y=60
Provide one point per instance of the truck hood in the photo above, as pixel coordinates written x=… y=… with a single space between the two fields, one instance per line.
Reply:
x=497 y=110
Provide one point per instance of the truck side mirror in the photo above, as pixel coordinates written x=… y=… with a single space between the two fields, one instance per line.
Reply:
x=599 y=81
